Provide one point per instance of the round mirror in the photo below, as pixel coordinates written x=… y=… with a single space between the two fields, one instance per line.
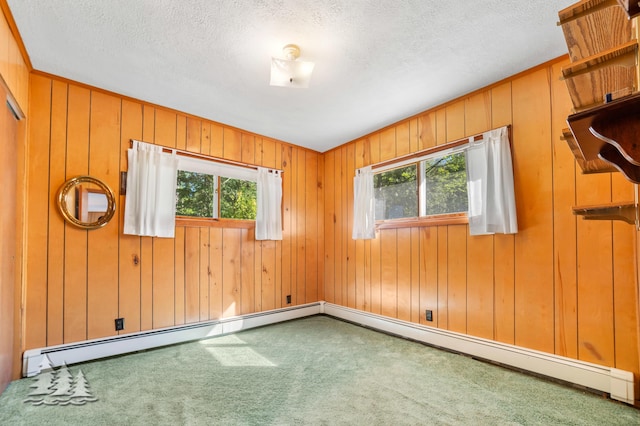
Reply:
x=86 y=202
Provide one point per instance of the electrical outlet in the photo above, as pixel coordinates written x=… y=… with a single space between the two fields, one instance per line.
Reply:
x=429 y=315
x=288 y=299
x=119 y=324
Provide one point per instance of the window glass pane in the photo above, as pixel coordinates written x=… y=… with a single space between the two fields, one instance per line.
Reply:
x=445 y=179
x=237 y=199
x=195 y=194
x=396 y=193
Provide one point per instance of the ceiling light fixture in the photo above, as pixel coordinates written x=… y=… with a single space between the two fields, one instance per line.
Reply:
x=289 y=72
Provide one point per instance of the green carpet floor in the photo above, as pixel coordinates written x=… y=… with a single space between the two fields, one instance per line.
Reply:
x=312 y=371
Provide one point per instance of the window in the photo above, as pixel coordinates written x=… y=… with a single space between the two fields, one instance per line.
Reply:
x=434 y=186
x=207 y=196
x=444 y=185
x=396 y=193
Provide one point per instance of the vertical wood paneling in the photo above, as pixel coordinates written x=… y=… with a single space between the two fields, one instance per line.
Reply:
x=457 y=278
x=400 y=273
x=595 y=278
x=429 y=274
x=350 y=257
x=480 y=261
x=129 y=245
x=564 y=197
x=301 y=248
x=624 y=283
x=163 y=248
x=340 y=223
x=205 y=273
x=311 y=227
x=10 y=292
x=55 y=266
x=345 y=226
x=92 y=277
x=247 y=267
x=75 y=280
x=387 y=144
x=192 y=274
x=359 y=260
x=404 y=283
x=389 y=272
x=216 y=303
x=415 y=260
x=403 y=138
x=504 y=245
x=330 y=227
x=287 y=179
x=232 y=144
x=233 y=271
x=102 y=259
x=534 y=322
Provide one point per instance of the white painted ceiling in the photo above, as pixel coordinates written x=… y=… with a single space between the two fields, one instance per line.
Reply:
x=377 y=61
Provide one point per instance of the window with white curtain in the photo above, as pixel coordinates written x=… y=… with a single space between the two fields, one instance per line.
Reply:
x=466 y=181
x=163 y=186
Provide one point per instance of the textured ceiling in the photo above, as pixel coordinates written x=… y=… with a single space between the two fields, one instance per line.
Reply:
x=377 y=61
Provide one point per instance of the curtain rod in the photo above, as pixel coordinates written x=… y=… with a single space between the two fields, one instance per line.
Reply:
x=432 y=150
x=206 y=157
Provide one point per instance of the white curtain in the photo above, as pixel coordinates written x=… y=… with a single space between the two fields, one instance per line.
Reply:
x=492 y=205
x=150 y=204
x=269 y=200
x=363 y=205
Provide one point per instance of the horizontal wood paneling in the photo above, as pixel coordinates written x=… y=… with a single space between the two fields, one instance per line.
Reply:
x=560 y=285
x=79 y=281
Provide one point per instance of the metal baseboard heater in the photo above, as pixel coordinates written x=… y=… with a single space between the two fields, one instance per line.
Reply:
x=618 y=383
x=87 y=350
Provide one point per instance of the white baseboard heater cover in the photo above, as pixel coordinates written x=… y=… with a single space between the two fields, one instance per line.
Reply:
x=126 y=343
x=618 y=383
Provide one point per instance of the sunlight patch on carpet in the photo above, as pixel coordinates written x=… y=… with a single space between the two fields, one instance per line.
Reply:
x=231 y=351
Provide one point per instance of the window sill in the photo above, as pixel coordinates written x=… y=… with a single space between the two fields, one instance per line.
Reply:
x=417 y=222
x=199 y=222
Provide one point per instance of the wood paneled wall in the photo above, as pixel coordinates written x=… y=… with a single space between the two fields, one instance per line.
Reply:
x=79 y=281
x=13 y=68
x=14 y=74
x=561 y=285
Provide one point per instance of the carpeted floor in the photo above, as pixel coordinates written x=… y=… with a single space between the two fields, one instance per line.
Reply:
x=313 y=371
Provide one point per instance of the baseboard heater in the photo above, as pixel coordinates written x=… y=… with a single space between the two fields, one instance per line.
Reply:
x=618 y=383
x=126 y=343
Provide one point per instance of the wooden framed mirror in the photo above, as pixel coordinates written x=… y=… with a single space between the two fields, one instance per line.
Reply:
x=86 y=202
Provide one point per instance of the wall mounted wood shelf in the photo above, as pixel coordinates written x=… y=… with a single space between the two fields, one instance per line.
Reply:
x=602 y=81
x=626 y=212
x=611 y=132
x=587 y=167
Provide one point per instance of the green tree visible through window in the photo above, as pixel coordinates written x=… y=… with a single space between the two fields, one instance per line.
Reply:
x=238 y=199
x=396 y=193
x=446 y=185
x=194 y=194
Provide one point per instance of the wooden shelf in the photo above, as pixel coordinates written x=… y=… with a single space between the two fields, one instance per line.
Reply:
x=610 y=132
x=603 y=80
x=579 y=20
x=626 y=212
x=588 y=167
x=612 y=72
